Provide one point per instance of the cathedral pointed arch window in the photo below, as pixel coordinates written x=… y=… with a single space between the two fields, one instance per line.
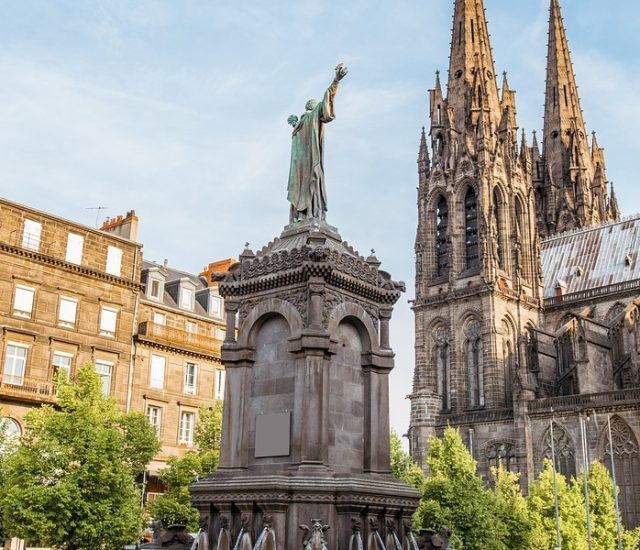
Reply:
x=474 y=363
x=564 y=449
x=522 y=248
x=442 y=365
x=442 y=227
x=508 y=372
x=471 y=229
x=497 y=229
x=626 y=456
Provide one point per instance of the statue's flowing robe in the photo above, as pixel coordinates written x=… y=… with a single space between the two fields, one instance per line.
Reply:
x=306 y=189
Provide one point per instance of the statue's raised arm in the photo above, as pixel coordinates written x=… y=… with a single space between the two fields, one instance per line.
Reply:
x=306 y=189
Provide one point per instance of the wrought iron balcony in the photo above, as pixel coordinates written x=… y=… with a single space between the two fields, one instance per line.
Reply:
x=176 y=338
x=28 y=389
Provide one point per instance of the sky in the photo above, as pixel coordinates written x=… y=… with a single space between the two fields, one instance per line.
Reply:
x=178 y=109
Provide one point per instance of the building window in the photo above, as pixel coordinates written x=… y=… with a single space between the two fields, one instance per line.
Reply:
x=31 y=235
x=23 y=301
x=186 y=298
x=473 y=353
x=114 y=261
x=508 y=372
x=192 y=327
x=75 y=243
x=154 y=289
x=61 y=363
x=154 y=414
x=215 y=305
x=159 y=318
x=626 y=454
x=15 y=364
x=502 y=453
x=156 y=375
x=67 y=311
x=220 y=379
x=12 y=434
x=564 y=451
x=498 y=234
x=187 y=423
x=441 y=361
x=105 y=370
x=219 y=334
x=442 y=222
x=108 y=321
x=471 y=229
x=190 y=378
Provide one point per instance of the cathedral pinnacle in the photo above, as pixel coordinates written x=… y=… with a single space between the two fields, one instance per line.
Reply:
x=471 y=68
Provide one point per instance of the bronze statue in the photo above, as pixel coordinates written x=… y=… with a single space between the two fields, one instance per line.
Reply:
x=306 y=190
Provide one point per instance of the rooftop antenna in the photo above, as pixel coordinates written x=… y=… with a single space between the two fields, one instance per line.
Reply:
x=98 y=210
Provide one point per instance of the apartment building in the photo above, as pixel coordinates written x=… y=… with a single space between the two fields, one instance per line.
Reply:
x=71 y=294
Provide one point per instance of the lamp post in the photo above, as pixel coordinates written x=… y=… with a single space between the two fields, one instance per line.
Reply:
x=585 y=474
x=615 y=484
x=555 y=489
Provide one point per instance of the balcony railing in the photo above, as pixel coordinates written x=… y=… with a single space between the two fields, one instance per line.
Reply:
x=31 y=389
x=148 y=330
x=592 y=293
x=586 y=401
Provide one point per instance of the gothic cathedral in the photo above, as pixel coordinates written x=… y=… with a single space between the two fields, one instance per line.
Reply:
x=527 y=283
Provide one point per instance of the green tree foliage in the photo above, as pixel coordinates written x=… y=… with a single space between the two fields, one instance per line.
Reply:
x=512 y=509
x=174 y=506
x=603 y=515
x=71 y=482
x=573 y=530
x=403 y=467
x=455 y=497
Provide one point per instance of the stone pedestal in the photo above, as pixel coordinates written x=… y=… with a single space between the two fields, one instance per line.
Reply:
x=306 y=414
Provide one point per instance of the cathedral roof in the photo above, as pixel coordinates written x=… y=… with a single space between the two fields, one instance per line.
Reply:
x=592 y=258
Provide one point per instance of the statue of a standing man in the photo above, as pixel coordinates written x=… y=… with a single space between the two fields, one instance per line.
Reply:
x=306 y=190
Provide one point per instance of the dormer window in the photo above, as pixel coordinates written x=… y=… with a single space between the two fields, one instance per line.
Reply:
x=215 y=305
x=186 y=298
x=155 y=285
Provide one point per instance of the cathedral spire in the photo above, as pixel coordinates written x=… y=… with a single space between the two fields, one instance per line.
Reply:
x=565 y=146
x=424 y=163
x=473 y=90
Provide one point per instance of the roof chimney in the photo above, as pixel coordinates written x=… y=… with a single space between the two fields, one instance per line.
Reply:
x=125 y=227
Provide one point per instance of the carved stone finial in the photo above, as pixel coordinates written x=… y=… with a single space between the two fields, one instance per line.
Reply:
x=373 y=524
x=224 y=522
x=267 y=521
x=356 y=525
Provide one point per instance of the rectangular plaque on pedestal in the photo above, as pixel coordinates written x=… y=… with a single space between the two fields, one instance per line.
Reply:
x=273 y=433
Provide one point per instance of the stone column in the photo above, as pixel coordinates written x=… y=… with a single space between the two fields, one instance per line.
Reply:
x=231 y=310
x=235 y=420
x=316 y=303
x=385 y=317
x=376 y=420
x=313 y=410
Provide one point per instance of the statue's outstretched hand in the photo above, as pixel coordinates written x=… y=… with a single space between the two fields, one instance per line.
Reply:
x=293 y=120
x=341 y=72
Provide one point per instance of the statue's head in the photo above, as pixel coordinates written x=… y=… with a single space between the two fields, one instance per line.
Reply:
x=311 y=105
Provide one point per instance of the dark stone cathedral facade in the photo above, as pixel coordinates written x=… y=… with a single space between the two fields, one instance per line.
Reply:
x=527 y=300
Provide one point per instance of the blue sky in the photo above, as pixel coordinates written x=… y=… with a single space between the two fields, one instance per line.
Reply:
x=178 y=109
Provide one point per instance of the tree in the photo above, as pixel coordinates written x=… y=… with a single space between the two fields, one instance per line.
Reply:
x=174 y=506
x=512 y=509
x=404 y=468
x=71 y=482
x=603 y=513
x=455 y=497
x=571 y=504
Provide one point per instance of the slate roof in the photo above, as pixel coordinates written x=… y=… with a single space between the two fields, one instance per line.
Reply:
x=174 y=275
x=591 y=258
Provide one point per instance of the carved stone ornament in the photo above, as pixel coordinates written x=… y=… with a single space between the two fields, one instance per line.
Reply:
x=314 y=535
x=623 y=439
x=333 y=299
x=473 y=330
x=441 y=336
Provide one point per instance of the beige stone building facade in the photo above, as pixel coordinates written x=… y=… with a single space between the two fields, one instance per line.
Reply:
x=527 y=285
x=71 y=294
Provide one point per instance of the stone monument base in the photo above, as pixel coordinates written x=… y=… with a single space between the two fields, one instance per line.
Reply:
x=342 y=502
